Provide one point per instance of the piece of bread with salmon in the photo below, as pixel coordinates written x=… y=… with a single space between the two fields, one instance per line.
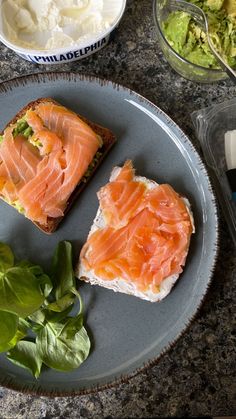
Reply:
x=48 y=154
x=139 y=239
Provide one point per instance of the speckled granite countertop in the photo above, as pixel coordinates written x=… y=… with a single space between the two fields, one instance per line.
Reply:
x=197 y=376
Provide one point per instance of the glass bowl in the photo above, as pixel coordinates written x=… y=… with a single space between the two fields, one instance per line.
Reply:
x=188 y=70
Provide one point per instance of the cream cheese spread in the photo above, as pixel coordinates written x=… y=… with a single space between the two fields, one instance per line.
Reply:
x=52 y=24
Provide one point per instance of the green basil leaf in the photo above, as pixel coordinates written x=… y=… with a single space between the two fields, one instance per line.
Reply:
x=62 y=269
x=23 y=325
x=62 y=304
x=72 y=325
x=23 y=264
x=6 y=257
x=8 y=324
x=37 y=271
x=45 y=284
x=77 y=294
x=55 y=317
x=64 y=346
x=20 y=292
x=20 y=334
x=25 y=355
x=37 y=317
x=36 y=327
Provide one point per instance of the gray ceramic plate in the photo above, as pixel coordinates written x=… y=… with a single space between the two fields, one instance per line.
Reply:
x=127 y=333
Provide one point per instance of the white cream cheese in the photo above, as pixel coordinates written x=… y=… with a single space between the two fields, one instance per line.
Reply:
x=51 y=24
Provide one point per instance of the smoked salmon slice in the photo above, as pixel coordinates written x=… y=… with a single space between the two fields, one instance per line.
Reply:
x=120 y=199
x=43 y=157
x=145 y=234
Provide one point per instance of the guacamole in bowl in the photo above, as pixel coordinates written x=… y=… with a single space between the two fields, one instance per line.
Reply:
x=186 y=38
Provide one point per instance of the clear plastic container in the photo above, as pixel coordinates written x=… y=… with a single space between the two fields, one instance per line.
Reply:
x=211 y=124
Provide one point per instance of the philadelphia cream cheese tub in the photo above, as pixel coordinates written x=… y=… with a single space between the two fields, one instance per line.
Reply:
x=58 y=31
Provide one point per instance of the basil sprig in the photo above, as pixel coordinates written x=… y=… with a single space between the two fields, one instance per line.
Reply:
x=36 y=327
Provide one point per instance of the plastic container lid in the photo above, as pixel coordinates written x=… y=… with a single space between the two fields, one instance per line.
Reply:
x=211 y=125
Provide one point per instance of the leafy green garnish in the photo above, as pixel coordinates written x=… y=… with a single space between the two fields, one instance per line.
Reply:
x=20 y=334
x=38 y=317
x=6 y=257
x=31 y=300
x=64 y=346
x=44 y=281
x=57 y=316
x=25 y=354
x=9 y=324
x=20 y=292
x=62 y=303
x=62 y=270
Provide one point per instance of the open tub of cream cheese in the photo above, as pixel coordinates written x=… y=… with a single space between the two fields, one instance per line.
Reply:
x=57 y=31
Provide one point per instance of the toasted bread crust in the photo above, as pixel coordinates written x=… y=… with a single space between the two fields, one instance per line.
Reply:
x=108 y=139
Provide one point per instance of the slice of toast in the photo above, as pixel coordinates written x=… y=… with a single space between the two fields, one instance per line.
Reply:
x=120 y=284
x=108 y=140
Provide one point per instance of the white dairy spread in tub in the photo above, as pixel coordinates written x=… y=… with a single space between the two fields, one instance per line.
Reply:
x=52 y=24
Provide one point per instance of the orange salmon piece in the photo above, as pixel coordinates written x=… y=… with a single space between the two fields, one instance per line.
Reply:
x=79 y=146
x=34 y=121
x=19 y=156
x=49 y=141
x=67 y=146
x=147 y=233
x=121 y=198
x=43 y=170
